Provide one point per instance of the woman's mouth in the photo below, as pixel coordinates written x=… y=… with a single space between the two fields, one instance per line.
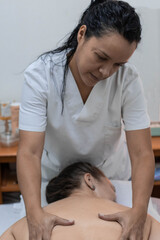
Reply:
x=95 y=78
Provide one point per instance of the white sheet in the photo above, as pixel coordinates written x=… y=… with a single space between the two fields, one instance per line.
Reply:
x=124 y=197
x=10 y=213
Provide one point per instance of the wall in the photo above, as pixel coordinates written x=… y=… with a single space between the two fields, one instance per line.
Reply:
x=144 y=3
x=29 y=28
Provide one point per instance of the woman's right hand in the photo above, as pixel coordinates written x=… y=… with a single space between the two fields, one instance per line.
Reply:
x=41 y=224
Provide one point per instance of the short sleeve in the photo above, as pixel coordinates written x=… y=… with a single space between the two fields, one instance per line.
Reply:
x=134 y=109
x=33 y=109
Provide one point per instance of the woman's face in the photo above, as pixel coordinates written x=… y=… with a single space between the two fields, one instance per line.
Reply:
x=105 y=189
x=98 y=58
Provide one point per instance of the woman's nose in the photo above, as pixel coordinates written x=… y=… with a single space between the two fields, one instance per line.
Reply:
x=105 y=71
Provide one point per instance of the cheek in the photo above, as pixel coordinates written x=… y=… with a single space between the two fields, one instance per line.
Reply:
x=84 y=67
x=81 y=63
x=86 y=63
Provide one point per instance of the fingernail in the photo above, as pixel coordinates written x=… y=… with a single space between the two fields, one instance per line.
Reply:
x=101 y=215
x=70 y=220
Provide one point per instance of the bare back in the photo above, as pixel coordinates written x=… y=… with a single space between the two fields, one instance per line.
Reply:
x=87 y=225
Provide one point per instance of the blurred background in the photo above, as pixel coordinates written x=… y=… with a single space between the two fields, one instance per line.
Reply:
x=29 y=28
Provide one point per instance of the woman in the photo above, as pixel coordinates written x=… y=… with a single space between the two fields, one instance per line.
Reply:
x=82 y=191
x=74 y=101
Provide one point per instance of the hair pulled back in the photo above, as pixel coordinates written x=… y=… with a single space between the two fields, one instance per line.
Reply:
x=102 y=17
x=70 y=179
x=106 y=16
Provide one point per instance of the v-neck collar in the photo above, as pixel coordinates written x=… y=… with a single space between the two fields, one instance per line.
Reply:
x=79 y=110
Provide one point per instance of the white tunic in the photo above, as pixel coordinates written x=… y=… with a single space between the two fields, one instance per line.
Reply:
x=87 y=132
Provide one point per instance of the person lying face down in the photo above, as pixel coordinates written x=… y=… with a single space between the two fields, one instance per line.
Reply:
x=80 y=192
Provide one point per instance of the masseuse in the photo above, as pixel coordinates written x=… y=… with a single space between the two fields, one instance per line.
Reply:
x=74 y=102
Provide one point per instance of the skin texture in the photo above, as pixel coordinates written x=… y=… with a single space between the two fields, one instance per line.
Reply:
x=98 y=58
x=87 y=223
x=30 y=149
x=94 y=60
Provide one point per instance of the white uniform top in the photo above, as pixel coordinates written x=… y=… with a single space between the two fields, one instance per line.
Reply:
x=88 y=132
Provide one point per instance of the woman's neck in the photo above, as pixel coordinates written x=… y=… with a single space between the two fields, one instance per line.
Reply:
x=83 y=89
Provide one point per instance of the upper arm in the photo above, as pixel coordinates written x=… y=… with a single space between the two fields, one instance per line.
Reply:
x=31 y=142
x=139 y=142
x=33 y=108
x=134 y=108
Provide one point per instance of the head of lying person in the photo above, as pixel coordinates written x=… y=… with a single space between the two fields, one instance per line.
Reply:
x=80 y=179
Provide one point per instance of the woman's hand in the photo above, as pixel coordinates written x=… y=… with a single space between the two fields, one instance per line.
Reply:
x=41 y=224
x=132 y=222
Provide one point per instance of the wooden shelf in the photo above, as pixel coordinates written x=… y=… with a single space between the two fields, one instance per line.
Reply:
x=8 y=152
x=9 y=180
x=156 y=146
x=156 y=183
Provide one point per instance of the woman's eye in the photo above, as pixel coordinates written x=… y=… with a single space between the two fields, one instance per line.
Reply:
x=119 y=65
x=101 y=58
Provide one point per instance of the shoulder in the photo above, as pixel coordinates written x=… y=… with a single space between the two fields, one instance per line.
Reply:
x=128 y=72
x=130 y=78
x=7 y=235
x=38 y=73
x=47 y=69
x=129 y=67
x=125 y=78
x=126 y=75
x=57 y=58
x=45 y=60
x=155 y=229
x=16 y=231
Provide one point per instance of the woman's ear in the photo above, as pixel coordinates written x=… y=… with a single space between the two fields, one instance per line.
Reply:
x=81 y=33
x=89 y=180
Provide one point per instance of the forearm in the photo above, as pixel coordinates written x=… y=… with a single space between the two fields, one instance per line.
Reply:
x=142 y=179
x=29 y=179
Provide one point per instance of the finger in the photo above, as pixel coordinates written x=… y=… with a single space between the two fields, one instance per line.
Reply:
x=112 y=217
x=33 y=236
x=138 y=236
x=62 y=221
x=124 y=236
x=38 y=237
x=47 y=235
x=134 y=237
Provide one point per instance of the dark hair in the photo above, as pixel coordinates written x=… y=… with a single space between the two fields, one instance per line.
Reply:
x=101 y=17
x=70 y=179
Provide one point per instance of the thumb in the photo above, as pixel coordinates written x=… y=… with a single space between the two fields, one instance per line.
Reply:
x=62 y=221
x=109 y=217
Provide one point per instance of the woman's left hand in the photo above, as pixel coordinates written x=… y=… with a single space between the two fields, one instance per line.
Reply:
x=132 y=222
